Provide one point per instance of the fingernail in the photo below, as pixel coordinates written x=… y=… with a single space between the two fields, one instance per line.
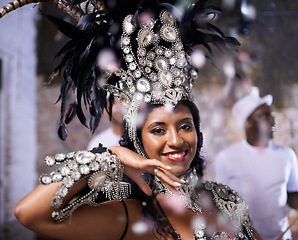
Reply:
x=182 y=181
x=177 y=184
x=168 y=167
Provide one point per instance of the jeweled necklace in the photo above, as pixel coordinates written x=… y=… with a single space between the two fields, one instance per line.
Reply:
x=187 y=196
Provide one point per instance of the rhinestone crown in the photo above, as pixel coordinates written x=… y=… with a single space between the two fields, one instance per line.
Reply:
x=159 y=72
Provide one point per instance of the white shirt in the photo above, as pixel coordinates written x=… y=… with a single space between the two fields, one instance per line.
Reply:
x=107 y=138
x=262 y=177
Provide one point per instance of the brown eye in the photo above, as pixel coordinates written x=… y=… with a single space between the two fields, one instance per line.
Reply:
x=187 y=127
x=157 y=131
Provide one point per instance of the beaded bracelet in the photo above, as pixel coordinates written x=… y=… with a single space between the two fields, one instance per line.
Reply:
x=103 y=170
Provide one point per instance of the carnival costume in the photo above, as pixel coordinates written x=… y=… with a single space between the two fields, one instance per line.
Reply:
x=154 y=42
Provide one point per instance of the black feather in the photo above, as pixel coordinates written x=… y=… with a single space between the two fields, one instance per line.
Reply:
x=62 y=132
x=71 y=113
x=101 y=30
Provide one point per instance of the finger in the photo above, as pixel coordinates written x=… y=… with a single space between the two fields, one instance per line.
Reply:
x=161 y=165
x=169 y=179
x=173 y=177
x=169 y=175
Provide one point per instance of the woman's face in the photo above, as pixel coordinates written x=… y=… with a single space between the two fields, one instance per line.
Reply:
x=171 y=137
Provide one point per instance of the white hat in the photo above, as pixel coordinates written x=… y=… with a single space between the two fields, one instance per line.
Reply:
x=244 y=107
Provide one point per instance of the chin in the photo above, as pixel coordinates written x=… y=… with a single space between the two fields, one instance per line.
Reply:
x=179 y=170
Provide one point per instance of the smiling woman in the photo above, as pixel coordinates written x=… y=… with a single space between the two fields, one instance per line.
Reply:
x=150 y=187
x=171 y=137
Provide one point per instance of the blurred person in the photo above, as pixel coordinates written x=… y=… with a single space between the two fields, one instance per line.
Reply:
x=264 y=173
x=111 y=135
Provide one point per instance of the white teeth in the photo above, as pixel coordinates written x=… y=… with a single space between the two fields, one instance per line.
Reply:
x=177 y=155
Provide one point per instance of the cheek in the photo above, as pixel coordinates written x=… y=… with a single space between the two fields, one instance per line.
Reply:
x=152 y=145
x=193 y=142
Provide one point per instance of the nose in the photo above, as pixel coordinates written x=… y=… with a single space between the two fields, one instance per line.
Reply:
x=174 y=139
x=273 y=118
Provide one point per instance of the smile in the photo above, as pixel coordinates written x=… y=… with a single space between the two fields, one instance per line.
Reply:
x=176 y=157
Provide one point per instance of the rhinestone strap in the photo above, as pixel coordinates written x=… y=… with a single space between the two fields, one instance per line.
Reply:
x=188 y=196
x=232 y=205
x=103 y=170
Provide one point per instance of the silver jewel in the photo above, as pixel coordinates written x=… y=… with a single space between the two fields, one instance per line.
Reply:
x=60 y=157
x=103 y=170
x=129 y=58
x=166 y=78
x=159 y=51
x=167 y=17
x=132 y=66
x=64 y=171
x=142 y=52
x=168 y=33
x=96 y=181
x=160 y=64
x=84 y=157
x=70 y=155
x=193 y=73
x=125 y=40
x=128 y=26
x=151 y=55
x=126 y=50
x=50 y=161
x=84 y=170
x=57 y=177
x=168 y=53
x=143 y=85
x=145 y=37
x=172 y=61
x=147 y=70
x=147 y=98
x=137 y=74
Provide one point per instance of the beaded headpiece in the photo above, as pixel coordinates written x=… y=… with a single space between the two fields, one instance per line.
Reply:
x=149 y=44
x=159 y=72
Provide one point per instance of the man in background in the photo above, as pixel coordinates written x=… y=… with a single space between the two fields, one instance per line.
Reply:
x=264 y=173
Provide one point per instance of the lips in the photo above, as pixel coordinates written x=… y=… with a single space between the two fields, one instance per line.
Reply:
x=176 y=156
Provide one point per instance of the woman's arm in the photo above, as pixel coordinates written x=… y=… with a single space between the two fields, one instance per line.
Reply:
x=36 y=205
x=35 y=211
x=107 y=221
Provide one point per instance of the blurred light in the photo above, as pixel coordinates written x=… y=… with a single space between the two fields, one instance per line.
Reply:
x=248 y=14
x=229 y=69
x=248 y=11
x=228 y=4
x=107 y=61
x=198 y=58
x=198 y=222
x=145 y=18
x=139 y=228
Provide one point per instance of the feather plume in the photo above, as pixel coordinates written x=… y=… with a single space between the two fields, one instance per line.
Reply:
x=102 y=30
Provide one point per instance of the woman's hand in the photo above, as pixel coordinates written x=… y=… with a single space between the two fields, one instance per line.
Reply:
x=135 y=165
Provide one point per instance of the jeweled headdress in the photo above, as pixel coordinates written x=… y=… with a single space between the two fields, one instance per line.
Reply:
x=139 y=52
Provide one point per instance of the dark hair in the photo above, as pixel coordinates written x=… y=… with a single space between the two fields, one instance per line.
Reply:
x=162 y=224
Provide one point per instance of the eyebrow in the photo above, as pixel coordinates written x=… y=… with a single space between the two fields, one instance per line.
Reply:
x=163 y=123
